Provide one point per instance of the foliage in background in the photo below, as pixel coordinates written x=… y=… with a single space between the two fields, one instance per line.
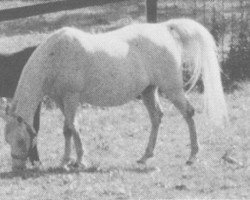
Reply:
x=237 y=64
x=232 y=36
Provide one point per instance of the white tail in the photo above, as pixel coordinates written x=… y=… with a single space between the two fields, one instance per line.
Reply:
x=199 y=48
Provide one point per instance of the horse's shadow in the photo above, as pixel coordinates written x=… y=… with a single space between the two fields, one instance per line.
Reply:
x=36 y=173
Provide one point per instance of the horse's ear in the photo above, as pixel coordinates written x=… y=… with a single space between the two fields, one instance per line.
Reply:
x=10 y=108
x=9 y=112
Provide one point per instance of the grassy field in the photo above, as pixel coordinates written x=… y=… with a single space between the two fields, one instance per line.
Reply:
x=116 y=137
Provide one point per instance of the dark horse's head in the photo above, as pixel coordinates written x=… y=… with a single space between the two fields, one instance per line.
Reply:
x=11 y=66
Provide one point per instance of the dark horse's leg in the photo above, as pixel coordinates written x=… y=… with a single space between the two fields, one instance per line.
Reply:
x=33 y=156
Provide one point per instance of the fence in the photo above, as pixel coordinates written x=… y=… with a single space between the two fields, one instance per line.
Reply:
x=44 y=8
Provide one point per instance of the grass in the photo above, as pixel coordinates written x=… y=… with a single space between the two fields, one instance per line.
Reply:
x=116 y=137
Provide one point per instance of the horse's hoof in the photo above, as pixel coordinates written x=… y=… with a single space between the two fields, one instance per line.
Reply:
x=64 y=168
x=189 y=162
x=84 y=165
x=67 y=164
x=145 y=157
x=74 y=164
x=78 y=165
x=141 y=161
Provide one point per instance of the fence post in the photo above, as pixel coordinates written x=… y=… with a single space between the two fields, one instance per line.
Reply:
x=151 y=11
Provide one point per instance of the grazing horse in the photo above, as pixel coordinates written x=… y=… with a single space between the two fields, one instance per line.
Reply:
x=111 y=69
x=11 y=66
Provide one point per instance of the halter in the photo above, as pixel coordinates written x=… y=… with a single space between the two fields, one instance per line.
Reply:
x=33 y=140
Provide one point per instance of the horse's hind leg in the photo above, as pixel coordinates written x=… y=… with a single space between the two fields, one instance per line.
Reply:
x=187 y=111
x=151 y=100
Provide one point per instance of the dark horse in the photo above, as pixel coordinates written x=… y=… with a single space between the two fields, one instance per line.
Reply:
x=11 y=66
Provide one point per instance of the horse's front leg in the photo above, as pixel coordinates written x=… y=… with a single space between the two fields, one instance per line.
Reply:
x=67 y=149
x=151 y=100
x=34 y=155
x=70 y=104
x=68 y=132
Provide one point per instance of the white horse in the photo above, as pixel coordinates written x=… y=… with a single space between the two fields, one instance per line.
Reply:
x=111 y=69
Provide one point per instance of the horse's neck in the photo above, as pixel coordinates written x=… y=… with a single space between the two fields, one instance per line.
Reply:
x=26 y=100
x=28 y=94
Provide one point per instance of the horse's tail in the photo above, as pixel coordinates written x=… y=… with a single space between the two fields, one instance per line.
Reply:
x=199 y=48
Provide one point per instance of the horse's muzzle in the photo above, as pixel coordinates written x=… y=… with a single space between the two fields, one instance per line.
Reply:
x=18 y=162
x=19 y=157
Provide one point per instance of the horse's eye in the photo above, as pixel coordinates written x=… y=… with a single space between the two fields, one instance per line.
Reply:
x=21 y=143
x=19 y=119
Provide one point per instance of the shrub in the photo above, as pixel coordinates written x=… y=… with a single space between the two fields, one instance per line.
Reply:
x=236 y=66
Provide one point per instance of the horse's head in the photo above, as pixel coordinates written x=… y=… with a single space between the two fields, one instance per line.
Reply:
x=21 y=137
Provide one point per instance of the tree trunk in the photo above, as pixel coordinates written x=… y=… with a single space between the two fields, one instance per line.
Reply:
x=151 y=11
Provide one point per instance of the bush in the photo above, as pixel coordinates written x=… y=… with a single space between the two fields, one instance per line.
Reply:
x=237 y=64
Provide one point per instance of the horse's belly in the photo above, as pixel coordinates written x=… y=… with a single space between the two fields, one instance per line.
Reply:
x=114 y=88
x=106 y=99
